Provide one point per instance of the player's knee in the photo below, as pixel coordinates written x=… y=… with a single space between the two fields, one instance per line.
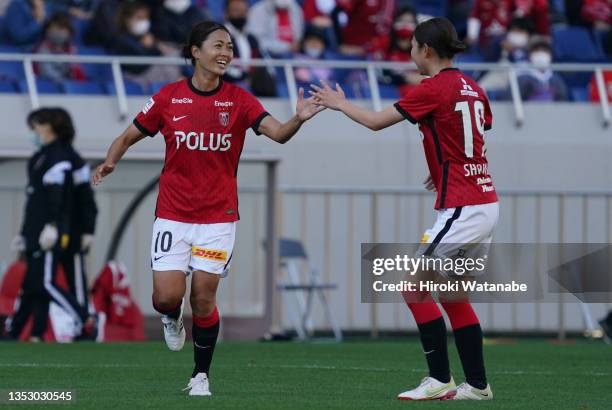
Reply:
x=202 y=305
x=166 y=301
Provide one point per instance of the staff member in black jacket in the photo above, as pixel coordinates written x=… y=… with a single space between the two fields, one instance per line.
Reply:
x=46 y=229
x=83 y=214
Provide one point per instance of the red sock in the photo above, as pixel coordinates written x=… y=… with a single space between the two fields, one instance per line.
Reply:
x=460 y=314
x=423 y=307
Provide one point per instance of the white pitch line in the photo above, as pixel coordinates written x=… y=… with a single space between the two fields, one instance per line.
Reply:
x=288 y=366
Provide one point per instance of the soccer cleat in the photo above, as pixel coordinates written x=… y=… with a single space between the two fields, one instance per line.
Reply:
x=198 y=385
x=430 y=389
x=466 y=391
x=174 y=331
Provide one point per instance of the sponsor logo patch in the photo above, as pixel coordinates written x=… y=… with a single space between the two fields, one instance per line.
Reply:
x=148 y=105
x=182 y=101
x=210 y=254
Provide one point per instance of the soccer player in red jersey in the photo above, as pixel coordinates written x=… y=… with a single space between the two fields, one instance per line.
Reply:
x=452 y=113
x=203 y=121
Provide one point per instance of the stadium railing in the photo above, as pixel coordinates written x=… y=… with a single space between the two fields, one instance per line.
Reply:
x=287 y=67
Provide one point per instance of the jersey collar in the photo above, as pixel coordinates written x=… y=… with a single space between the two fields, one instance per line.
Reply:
x=204 y=93
x=449 y=69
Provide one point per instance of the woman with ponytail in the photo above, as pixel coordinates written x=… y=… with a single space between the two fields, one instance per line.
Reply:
x=452 y=113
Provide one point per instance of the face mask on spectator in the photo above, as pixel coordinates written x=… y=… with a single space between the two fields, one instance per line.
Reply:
x=518 y=39
x=403 y=31
x=140 y=28
x=540 y=59
x=177 y=6
x=58 y=38
x=282 y=4
x=313 y=52
x=238 y=22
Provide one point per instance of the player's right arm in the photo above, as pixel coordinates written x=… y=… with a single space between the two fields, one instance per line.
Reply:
x=336 y=100
x=116 y=151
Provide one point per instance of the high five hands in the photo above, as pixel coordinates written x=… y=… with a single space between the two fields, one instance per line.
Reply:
x=328 y=97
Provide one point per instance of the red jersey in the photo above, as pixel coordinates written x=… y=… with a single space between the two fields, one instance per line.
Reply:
x=453 y=112
x=204 y=135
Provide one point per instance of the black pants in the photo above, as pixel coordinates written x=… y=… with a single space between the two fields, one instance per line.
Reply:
x=38 y=289
x=74 y=268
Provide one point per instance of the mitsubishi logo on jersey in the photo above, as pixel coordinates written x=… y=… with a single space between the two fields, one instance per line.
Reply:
x=467 y=89
x=224 y=118
x=202 y=141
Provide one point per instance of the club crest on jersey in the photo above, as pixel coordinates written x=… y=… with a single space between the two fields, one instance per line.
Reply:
x=224 y=118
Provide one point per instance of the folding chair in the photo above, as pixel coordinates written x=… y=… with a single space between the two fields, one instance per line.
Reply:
x=292 y=255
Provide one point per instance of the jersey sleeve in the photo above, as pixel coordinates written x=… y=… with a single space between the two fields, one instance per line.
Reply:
x=149 y=120
x=418 y=103
x=488 y=116
x=254 y=112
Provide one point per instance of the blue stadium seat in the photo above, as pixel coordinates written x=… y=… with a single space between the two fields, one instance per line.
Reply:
x=574 y=44
x=80 y=29
x=579 y=94
x=156 y=86
x=12 y=70
x=5 y=48
x=83 y=87
x=7 y=86
x=131 y=88
x=99 y=72
x=388 y=91
x=43 y=86
x=436 y=8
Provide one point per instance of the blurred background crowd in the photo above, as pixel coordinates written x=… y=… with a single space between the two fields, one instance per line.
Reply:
x=518 y=31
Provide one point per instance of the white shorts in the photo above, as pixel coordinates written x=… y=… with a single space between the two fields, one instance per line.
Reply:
x=188 y=247
x=462 y=232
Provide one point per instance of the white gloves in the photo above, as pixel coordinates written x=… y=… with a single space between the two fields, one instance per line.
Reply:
x=48 y=237
x=18 y=244
x=86 y=241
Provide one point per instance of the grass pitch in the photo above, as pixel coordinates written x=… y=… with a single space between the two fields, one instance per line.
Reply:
x=354 y=375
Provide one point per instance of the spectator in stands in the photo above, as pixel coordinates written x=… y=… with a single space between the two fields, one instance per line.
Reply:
x=541 y=83
x=396 y=47
x=313 y=47
x=278 y=26
x=246 y=46
x=25 y=20
x=135 y=38
x=318 y=13
x=366 y=19
x=172 y=21
x=103 y=27
x=80 y=9
x=57 y=39
x=597 y=13
x=490 y=20
x=515 y=49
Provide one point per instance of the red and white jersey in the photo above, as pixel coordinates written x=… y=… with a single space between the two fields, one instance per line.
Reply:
x=453 y=113
x=204 y=134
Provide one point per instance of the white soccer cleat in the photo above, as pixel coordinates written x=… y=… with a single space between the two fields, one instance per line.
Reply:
x=430 y=389
x=198 y=385
x=466 y=391
x=174 y=331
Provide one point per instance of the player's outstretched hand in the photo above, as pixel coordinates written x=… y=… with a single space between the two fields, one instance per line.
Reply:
x=327 y=97
x=101 y=171
x=306 y=108
x=429 y=185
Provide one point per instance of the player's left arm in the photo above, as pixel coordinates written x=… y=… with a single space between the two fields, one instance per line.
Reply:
x=283 y=132
x=336 y=100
